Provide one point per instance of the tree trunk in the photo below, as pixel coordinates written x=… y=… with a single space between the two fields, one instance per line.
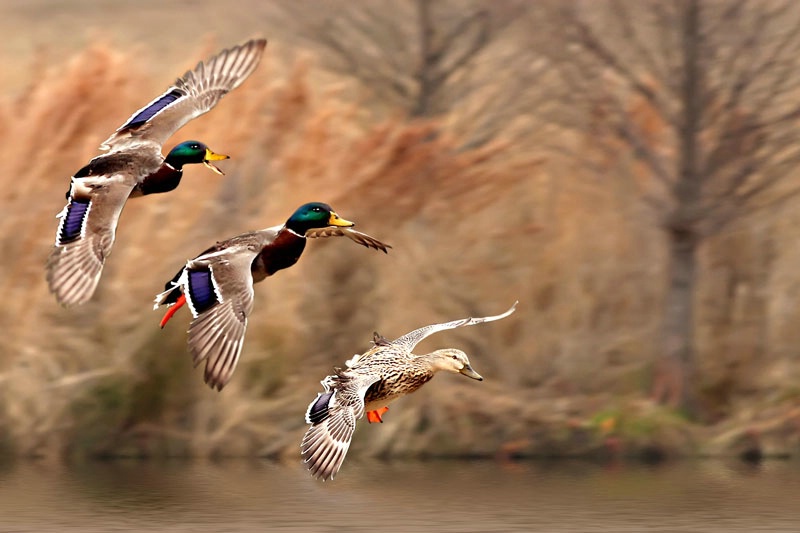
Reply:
x=672 y=381
x=427 y=61
x=673 y=374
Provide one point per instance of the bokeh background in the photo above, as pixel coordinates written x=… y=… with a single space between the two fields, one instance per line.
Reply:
x=626 y=170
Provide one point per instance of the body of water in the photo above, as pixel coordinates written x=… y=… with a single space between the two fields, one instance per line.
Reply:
x=450 y=496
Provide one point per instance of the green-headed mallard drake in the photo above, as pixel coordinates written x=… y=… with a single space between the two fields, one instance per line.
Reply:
x=134 y=166
x=369 y=383
x=218 y=284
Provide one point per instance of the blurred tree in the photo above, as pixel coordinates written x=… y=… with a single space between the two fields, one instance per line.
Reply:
x=703 y=94
x=426 y=57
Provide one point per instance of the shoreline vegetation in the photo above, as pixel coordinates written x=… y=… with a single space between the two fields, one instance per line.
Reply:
x=472 y=228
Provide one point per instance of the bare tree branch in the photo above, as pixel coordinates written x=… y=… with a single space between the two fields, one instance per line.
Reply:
x=421 y=56
x=632 y=32
x=588 y=40
x=728 y=16
x=738 y=82
x=480 y=41
x=629 y=131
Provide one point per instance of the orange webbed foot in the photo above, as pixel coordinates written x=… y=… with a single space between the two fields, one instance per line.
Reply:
x=171 y=311
x=375 y=416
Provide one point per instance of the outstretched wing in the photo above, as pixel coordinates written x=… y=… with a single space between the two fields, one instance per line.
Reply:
x=218 y=287
x=410 y=340
x=333 y=415
x=190 y=96
x=356 y=236
x=85 y=235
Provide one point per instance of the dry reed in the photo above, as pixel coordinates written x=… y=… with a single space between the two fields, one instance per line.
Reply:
x=472 y=230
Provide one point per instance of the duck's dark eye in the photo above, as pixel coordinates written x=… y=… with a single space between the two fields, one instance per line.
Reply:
x=455 y=357
x=316 y=209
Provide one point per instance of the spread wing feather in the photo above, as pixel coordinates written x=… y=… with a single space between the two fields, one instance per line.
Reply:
x=216 y=334
x=326 y=442
x=76 y=261
x=356 y=236
x=192 y=95
x=410 y=340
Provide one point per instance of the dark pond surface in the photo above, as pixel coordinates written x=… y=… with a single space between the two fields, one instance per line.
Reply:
x=240 y=496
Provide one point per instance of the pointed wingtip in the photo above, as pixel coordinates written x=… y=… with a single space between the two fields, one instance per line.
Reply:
x=510 y=310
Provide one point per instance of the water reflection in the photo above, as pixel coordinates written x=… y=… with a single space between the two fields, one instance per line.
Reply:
x=432 y=497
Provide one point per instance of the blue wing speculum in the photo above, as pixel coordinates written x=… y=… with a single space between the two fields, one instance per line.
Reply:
x=153 y=108
x=73 y=219
x=201 y=293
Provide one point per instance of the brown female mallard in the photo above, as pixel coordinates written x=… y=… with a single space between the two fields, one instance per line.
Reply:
x=369 y=383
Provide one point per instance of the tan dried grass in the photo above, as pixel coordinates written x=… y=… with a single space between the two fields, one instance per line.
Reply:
x=472 y=230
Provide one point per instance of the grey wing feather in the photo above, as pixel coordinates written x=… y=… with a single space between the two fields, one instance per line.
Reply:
x=192 y=95
x=74 y=268
x=410 y=340
x=216 y=335
x=356 y=236
x=326 y=442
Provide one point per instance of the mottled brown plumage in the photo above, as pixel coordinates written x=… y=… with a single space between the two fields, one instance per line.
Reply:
x=369 y=382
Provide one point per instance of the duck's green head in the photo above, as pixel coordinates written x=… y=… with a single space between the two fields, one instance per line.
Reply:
x=315 y=215
x=189 y=152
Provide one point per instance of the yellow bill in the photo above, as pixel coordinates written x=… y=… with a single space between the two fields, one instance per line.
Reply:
x=336 y=220
x=211 y=156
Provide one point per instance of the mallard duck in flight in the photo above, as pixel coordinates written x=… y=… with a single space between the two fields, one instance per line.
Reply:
x=134 y=166
x=218 y=283
x=368 y=383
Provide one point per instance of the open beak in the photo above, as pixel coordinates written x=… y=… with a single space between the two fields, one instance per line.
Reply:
x=211 y=156
x=335 y=220
x=470 y=373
